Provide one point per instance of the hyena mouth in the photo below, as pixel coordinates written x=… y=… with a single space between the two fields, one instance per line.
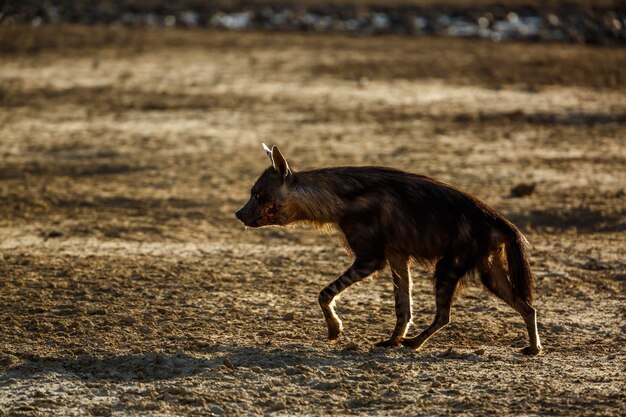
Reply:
x=255 y=222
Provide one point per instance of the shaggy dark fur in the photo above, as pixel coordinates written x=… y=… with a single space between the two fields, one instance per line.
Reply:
x=392 y=217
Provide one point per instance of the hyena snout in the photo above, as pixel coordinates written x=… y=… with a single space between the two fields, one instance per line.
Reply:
x=244 y=217
x=248 y=216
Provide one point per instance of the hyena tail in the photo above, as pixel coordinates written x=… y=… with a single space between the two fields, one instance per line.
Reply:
x=521 y=276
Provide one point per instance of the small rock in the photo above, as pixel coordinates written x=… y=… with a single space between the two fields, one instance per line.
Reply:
x=39 y=394
x=277 y=406
x=558 y=329
x=479 y=352
x=216 y=409
x=289 y=316
x=305 y=369
x=523 y=189
x=594 y=264
x=227 y=363
x=292 y=371
x=448 y=352
x=326 y=386
x=8 y=360
x=351 y=346
x=52 y=234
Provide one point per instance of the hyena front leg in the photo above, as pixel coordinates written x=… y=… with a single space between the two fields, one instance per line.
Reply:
x=359 y=270
x=402 y=294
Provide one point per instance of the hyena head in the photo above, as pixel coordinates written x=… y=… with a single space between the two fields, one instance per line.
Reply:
x=266 y=204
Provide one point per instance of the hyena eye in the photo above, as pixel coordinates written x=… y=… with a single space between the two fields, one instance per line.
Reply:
x=255 y=196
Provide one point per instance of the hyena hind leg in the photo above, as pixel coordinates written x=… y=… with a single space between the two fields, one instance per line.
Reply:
x=402 y=295
x=359 y=270
x=495 y=280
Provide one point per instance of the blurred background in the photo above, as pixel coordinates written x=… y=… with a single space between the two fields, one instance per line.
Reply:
x=130 y=132
x=581 y=21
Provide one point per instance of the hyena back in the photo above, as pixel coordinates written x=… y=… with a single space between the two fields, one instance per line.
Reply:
x=391 y=217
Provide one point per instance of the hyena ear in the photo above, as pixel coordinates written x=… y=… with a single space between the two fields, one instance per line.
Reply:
x=268 y=151
x=280 y=164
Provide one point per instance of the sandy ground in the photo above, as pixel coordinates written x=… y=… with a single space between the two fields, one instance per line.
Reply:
x=127 y=287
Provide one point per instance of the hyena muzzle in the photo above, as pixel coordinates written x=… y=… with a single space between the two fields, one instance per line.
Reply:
x=390 y=217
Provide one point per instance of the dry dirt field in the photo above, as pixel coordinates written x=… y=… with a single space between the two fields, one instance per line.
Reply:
x=127 y=287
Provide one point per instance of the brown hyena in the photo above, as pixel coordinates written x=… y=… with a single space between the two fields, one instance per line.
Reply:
x=390 y=216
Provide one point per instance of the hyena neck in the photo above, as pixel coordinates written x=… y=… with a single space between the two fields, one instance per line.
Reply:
x=313 y=198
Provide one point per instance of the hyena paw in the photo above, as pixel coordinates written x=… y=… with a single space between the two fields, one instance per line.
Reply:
x=334 y=330
x=410 y=343
x=530 y=350
x=388 y=343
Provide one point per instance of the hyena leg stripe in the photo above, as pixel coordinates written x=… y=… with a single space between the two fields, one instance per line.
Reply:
x=402 y=295
x=357 y=272
x=404 y=308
